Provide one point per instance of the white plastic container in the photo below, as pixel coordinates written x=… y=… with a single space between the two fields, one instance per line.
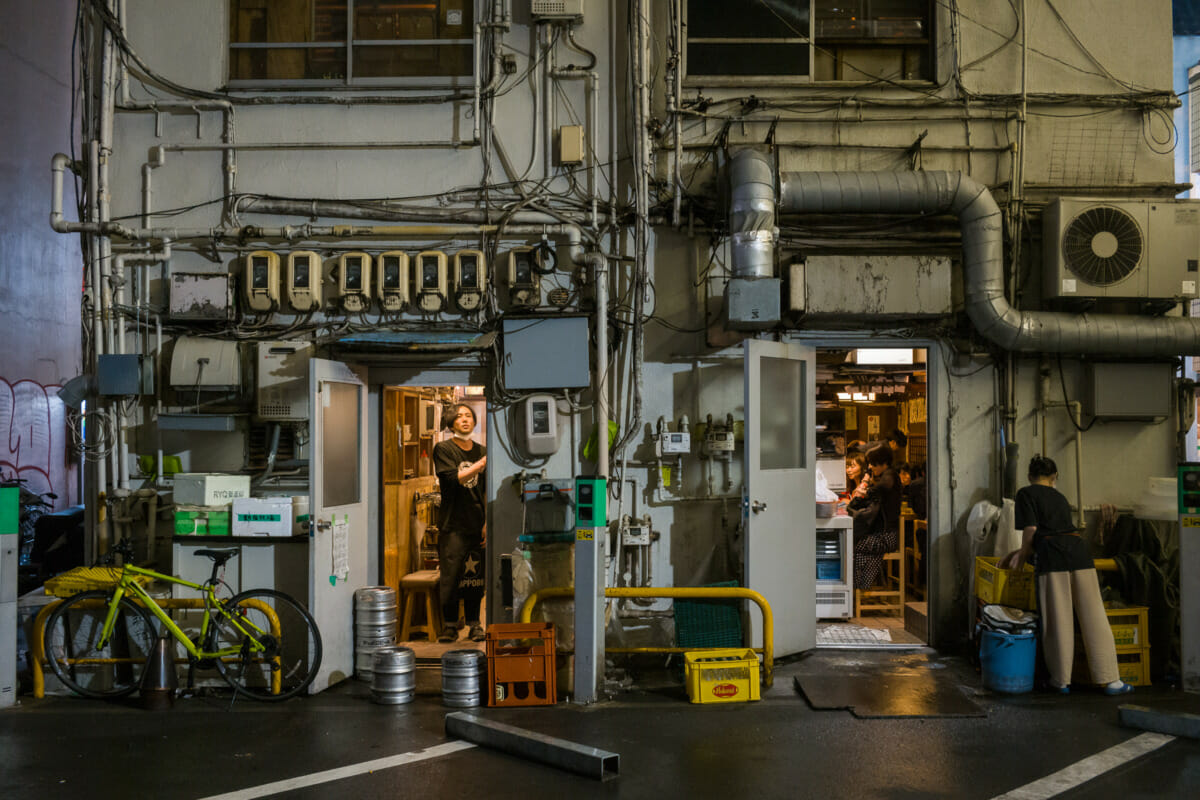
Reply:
x=209 y=489
x=299 y=514
x=262 y=516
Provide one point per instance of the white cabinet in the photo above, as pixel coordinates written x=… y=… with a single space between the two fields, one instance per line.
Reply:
x=835 y=565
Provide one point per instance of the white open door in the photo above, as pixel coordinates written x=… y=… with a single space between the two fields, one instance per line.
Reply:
x=338 y=507
x=780 y=452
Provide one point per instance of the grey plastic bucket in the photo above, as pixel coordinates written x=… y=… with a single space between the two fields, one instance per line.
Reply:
x=394 y=676
x=464 y=673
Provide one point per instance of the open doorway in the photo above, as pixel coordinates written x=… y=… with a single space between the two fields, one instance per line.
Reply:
x=875 y=594
x=412 y=545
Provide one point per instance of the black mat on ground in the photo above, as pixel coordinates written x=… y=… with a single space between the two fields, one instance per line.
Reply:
x=883 y=694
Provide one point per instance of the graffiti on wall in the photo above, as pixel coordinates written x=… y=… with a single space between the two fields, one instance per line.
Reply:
x=35 y=443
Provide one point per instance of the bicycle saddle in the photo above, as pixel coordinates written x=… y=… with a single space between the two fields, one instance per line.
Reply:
x=219 y=556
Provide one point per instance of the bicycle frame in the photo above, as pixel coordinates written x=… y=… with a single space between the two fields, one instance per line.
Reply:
x=126 y=585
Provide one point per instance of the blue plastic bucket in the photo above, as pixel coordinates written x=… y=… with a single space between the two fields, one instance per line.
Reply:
x=1006 y=660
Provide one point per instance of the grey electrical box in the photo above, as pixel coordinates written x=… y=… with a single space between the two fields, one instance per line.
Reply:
x=118 y=375
x=1128 y=391
x=546 y=353
x=752 y=304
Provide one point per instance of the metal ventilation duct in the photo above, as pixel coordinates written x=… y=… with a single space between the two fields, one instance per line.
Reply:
x=753 y=234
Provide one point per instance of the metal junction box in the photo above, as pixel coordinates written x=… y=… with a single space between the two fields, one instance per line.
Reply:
x=201 y=296
x=1128 y=391
x=546 y=352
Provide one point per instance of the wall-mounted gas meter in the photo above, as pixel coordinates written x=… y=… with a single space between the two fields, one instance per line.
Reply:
x=262 y=280
x=470 y=278
x=304 y=280
x=354 y=281
x=391 y=269
x=431 y=281
x=524 y=282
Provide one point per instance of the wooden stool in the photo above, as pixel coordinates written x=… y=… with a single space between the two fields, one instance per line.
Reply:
x=425 y=584
x=889 y=599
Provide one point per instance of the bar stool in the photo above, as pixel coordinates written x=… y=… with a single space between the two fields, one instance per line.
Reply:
x=423 y=584
x=889 y=598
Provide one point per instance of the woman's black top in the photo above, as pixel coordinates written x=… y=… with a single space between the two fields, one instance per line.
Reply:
x=1057 y=546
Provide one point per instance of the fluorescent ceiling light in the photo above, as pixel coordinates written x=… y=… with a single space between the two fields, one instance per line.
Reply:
x=883 y=355
x=843 y=396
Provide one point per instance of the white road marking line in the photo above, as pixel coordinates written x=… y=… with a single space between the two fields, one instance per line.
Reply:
x=344 y=772
x=1090 y=767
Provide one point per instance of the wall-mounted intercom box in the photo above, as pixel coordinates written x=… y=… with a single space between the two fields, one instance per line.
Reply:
x=431 y=281
x=354 y=281
x=261 y=280
x=470 y=280
x=303 y=281
x=524 y=282
x=392 y=277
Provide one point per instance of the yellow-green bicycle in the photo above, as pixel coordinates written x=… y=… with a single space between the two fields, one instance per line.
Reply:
x=262 y=642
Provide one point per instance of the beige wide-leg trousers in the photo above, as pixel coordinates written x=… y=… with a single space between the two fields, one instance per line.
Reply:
x=1063 y=596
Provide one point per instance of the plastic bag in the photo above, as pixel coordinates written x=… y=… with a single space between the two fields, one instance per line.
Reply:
x=824 y=493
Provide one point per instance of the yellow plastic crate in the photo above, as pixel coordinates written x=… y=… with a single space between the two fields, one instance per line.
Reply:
x=1133 y=665
x=83 y=579
x=1007 y=587
x=721 y=676
x=1129 y=626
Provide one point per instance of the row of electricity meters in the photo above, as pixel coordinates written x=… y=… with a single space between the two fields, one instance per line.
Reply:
x=430 y=281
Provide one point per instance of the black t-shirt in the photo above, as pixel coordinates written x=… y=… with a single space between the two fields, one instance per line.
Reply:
x=462 y=507
x=1055 y=547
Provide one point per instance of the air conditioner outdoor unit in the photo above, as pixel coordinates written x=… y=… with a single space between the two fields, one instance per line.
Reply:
x=1121 y=249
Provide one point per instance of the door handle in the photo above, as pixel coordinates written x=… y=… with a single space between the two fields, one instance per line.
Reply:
x=758 y=506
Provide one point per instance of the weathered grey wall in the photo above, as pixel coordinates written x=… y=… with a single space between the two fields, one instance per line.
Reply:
x=1073 y=145
x=40 y=271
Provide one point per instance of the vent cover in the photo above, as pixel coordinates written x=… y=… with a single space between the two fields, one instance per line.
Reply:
x=1103 y=245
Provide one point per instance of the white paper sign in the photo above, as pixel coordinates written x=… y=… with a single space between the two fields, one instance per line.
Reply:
x=341 y=548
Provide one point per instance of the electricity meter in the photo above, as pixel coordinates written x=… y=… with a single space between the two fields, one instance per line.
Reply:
x=541 y=425
x=262 y=280
x=431 y=281
x=524 y=282
x=392 y=271
x=354 y=281
x=304 y=280
x=470 y=278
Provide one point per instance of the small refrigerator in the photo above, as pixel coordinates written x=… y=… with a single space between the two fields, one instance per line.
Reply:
x=835 y=595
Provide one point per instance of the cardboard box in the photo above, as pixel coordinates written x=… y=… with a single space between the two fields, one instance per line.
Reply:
x=209 y=489
x=262 y=516
x=202 y=521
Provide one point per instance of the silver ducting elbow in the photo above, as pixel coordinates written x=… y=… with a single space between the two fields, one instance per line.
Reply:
x=983 y=264
x=752 y=296
x=752 y=230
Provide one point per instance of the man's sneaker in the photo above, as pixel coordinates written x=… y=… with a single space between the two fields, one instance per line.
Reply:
x=449 y=634
x=477 y=634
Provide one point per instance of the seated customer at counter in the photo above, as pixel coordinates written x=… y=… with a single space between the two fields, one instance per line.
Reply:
x=876 y=518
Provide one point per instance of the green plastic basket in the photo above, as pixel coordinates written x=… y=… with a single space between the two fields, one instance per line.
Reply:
x=709 y=623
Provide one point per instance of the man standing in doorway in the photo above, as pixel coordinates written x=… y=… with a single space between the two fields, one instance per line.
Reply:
x=462 y=525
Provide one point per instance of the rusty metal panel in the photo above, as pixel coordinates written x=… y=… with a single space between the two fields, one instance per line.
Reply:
x=892 y=285
x=201 y=296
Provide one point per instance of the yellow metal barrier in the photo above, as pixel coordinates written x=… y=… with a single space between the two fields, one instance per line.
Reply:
x=39 y=635
x=704 y=592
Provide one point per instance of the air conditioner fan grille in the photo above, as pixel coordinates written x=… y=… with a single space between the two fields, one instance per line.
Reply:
x=1103 y=245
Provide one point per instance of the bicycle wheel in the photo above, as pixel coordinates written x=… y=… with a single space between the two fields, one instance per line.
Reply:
x=73 y=631
x=291 y=653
